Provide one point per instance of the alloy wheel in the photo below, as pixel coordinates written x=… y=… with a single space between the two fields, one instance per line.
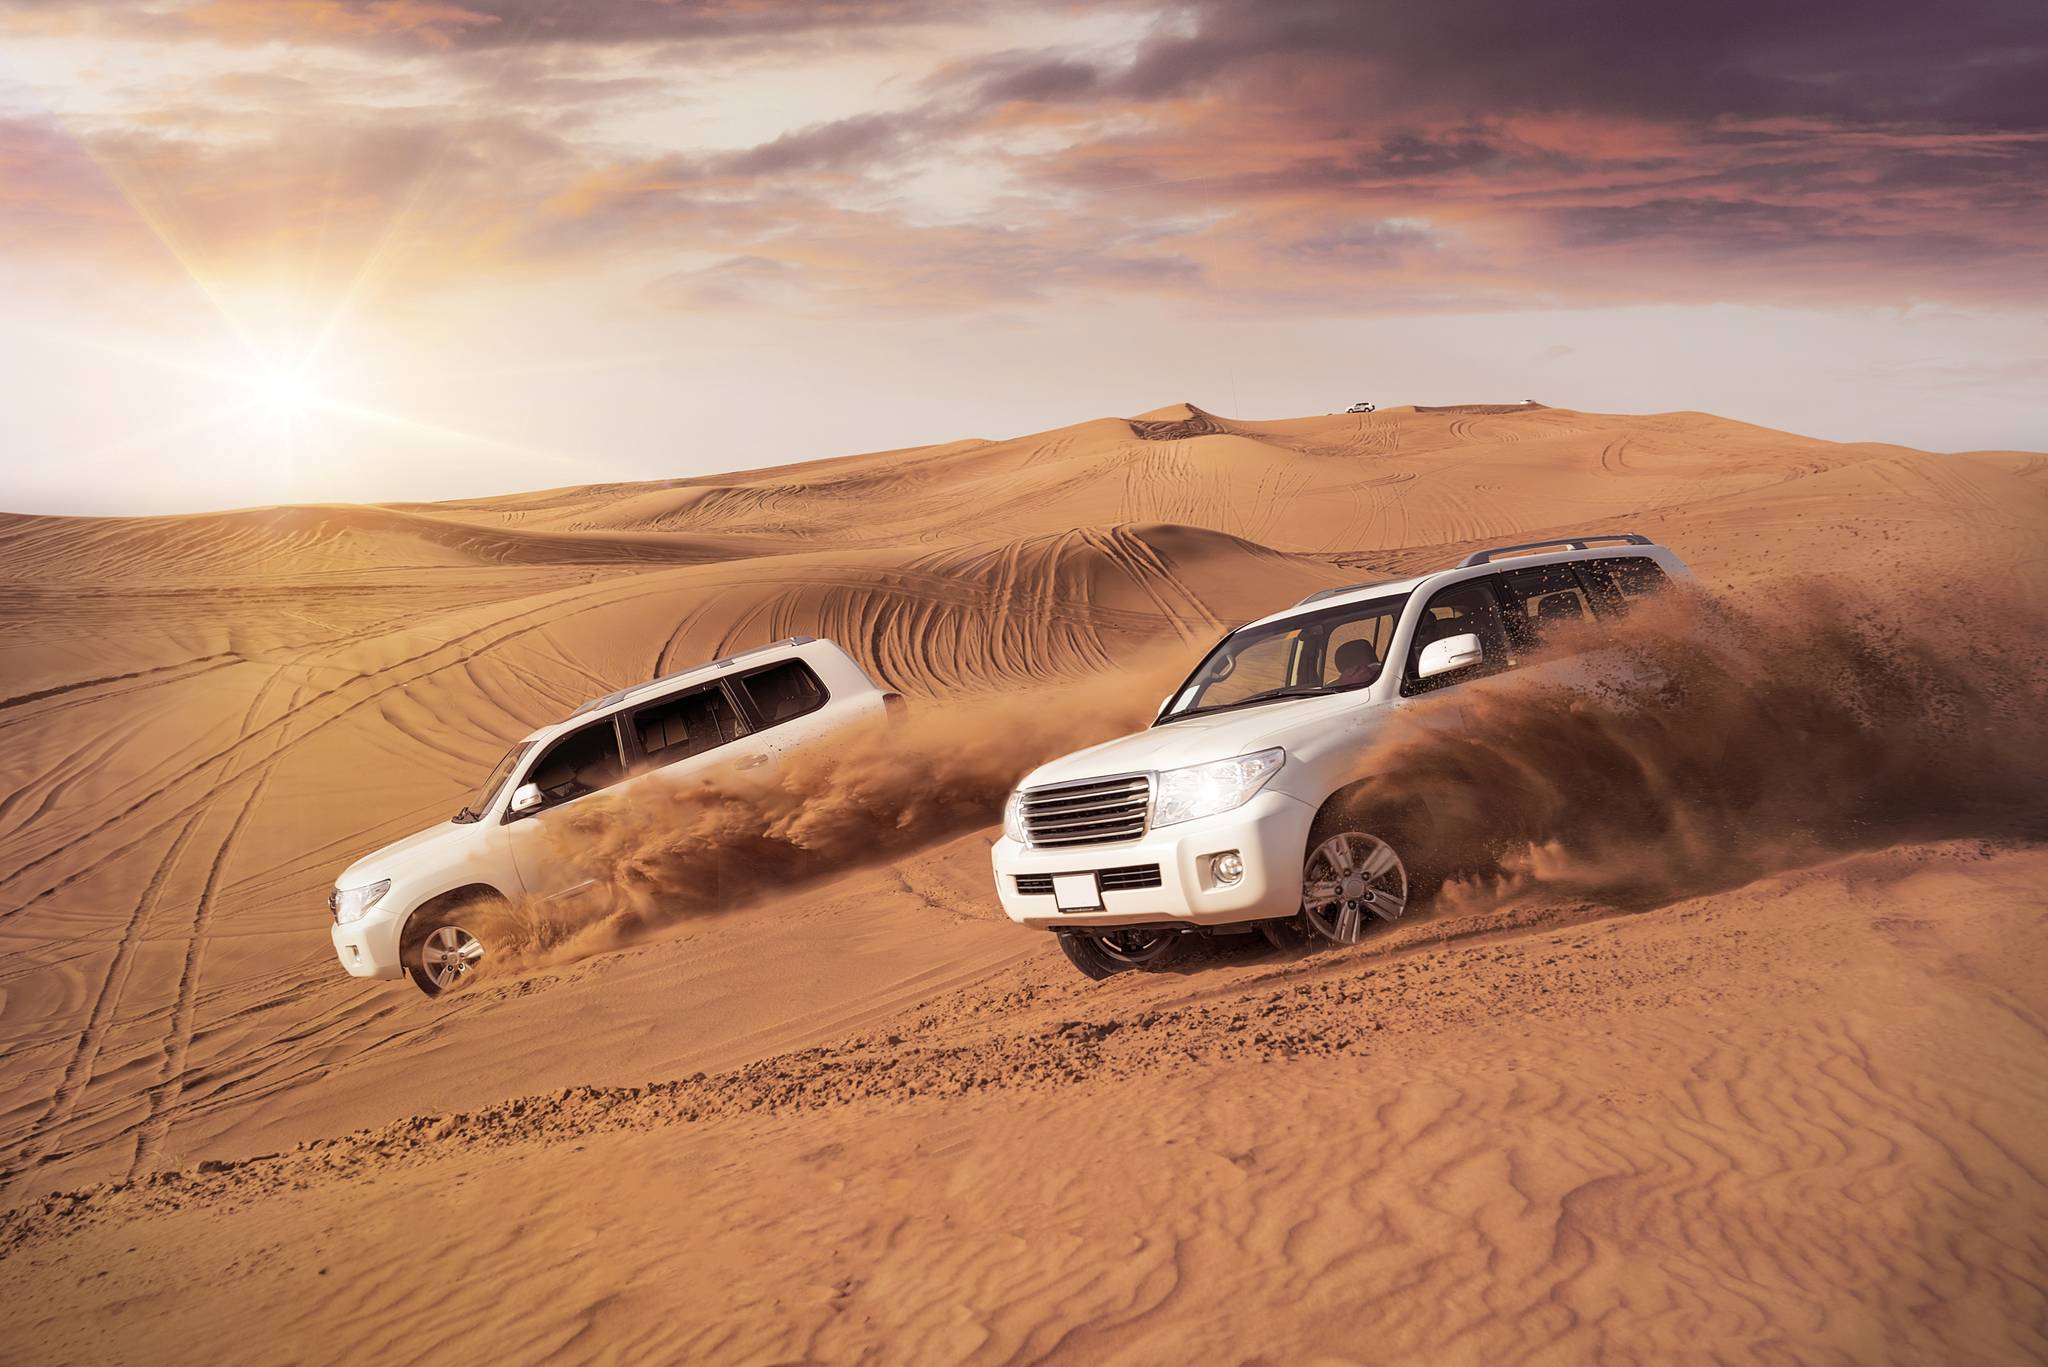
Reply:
x=1347 y=876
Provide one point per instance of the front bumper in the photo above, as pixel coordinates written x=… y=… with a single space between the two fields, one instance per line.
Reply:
x=1270 y=833
x=368 y=948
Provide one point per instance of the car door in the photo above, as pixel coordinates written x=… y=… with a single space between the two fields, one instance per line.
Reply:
x=1470 y=607
x=588 y=760
x=688 y=734
x=1613 y=587
x=1545 y=610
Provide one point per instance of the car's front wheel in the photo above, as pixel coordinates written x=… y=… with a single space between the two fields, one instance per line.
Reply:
x=1350 y=880
x=1099 y=953
x=443 y=951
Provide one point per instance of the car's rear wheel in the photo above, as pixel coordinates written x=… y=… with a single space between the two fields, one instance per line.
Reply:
x=1099 y=953
x=443 y=952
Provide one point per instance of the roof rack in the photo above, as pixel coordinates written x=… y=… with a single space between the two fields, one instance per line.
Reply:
x=721 y=663
x=1576 y=543
x=1320 y=594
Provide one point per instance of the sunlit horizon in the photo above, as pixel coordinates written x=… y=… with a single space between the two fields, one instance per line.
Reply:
x=262 y=253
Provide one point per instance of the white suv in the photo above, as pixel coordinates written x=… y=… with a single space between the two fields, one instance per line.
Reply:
x=1230 y=811
x=413 y=907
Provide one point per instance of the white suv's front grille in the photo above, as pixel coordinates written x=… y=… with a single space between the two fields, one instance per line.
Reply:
x=1091 y=811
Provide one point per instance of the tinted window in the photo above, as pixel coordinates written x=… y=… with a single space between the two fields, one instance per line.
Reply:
x=782 y=692
x=691 y=724
x=581 y=762
x=1459 y=610
x=1625 y=579
x=1536 y=601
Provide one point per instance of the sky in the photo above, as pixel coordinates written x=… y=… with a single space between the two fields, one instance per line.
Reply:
x=265 y=251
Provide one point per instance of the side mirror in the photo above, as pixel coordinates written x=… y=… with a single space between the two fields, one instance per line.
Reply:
x=525 y=798
x=1451 y=653
x=1164 y=703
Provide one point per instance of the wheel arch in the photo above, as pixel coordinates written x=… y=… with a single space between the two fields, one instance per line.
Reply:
x=1367 y=800
x=1404 y=820
x=416 y=920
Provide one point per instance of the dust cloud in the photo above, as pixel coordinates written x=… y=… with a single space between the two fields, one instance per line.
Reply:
x=1721 y=739
x=665 y=853
x=1715 y=740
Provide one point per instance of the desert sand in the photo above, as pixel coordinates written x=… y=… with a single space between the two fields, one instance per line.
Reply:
x=1793 y=1113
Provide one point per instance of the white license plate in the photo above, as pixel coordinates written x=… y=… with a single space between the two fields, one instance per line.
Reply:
x=1076 y=892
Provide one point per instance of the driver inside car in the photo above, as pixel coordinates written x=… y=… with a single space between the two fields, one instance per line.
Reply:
x=1357 y=664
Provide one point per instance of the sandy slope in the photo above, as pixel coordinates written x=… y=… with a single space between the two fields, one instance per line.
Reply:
x=1794 y=1118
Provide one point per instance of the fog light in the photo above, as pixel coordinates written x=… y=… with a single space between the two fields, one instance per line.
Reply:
x=1228 y=867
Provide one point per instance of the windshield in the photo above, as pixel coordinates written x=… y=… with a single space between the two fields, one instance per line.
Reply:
x=481 y=803
x=1331 y=651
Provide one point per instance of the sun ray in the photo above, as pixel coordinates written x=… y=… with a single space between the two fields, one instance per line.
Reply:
x=420 y=427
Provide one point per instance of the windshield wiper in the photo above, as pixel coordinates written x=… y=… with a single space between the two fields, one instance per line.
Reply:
x=1290 y=691
x=1269 y=695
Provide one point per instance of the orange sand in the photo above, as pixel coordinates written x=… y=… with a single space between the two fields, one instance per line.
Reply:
x=1799 y=1117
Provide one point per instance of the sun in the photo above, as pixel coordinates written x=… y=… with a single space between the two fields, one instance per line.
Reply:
x=281 y=391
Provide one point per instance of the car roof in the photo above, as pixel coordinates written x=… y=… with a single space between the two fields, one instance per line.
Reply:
x=1474 y=566
x=667 y=682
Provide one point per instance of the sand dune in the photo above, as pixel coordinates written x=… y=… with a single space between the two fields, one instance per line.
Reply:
x=1791 y=1118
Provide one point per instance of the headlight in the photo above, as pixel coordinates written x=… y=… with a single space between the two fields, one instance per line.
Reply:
x=1013 y=817
x=352 y=904
x=1207 y=789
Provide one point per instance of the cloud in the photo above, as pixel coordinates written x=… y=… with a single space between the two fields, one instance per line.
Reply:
x=849 y=144
x=1970 y=63
x=467 y=24
x=1320 y=155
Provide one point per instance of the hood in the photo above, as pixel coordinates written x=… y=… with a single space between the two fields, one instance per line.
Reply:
x=1201 y=740
x=432 y=846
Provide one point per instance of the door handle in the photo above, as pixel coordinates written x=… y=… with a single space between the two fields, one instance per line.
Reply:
x=753 y=761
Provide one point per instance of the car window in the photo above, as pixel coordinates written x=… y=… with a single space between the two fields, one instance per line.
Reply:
x=495 y=780
x=690 y=724
x=1535 y=602
x=1274 y=662
x=1357 y=650
x=1334 y=649
x=1468 y=608
x=783 y=692
x=579 y=763
x=1623 y=580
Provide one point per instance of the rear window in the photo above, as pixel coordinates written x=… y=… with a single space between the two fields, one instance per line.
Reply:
x=1630 y=577
x=1540 y=600
x=689 y=725
x=783 y=692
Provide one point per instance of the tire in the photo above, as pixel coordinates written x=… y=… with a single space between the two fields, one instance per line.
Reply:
x=443 y=946
x=1364 y=863
x=1291 y=936
x=1099 y=954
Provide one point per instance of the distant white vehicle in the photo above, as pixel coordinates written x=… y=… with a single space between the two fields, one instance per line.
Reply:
x=411 y=908
x=1232 y=810
x=1362 y=408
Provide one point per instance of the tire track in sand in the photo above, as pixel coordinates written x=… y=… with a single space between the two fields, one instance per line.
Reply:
x=163 y=1097
x=41 y=1133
